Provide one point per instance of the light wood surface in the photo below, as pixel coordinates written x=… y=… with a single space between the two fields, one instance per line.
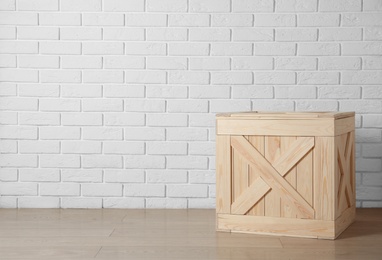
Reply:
x=167 y=234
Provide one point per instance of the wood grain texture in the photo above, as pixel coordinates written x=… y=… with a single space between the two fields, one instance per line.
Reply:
x=223 y=174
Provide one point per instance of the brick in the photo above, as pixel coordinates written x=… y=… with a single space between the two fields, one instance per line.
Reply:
x=7 y=61
x=218 y=106
x=202 y=148
x=59 y=105
x=165 y=91
x=372 y=5
x=124 y=5
x=38 y=62
x=167 y=119
x=8 y=5
x=103 y=19
x=291 y=6
x=373 y=34
x=252 y=6
x=17 y=160
x=242 y=91
x=252 y=63
x=231 y=49
x=371 y=150
x=124 y=203
x=322 y=78
x=188 y=49
x=339 y=63
x=8 y=174
x=81 y=175
x=81 y=62
x=145 y=105
x=340 y=6
x=102 y=133
x=101 y=161
x=367 y=135
x=39 y=175
x=8 y=118
x=372 y=63
x=207 y=177
x=61 y=48
x=275 y=49
x=80 y=33
x=210 y=34
x=8 y=89
x=60 y=189
x=86 y=119
x=102 y=76
x=123 y=147
x=102 y=105
x=275 y=20
x=103 y=48
x=39 y=118
x=371 y=92
x=294 y=92
x=39 y=202
x=8 y=146
x=166 y=203
x=144 y=162
x=19 y=75
x=124 y=62
x=361 y=106
x=273 y=105
x=60 y=19
x=124 y=91
x=145 y=77
x=166 y=63
x=135 y=48
x=83 y=91
x=59 y=161
x=19 y=104
x=18 y=189
x=361 y=19
x=59 y=133
x=37 y=33
x=124 y=34
x=316 y=105
x=144 y=134
x=340 y=34
x=253 y=34
x=364 y=48
x=166 y=34
x=188 y=77
x=231 y=78
x=18 y=47
x=374 y=121
x=81 y=5
x=146 y=20
x=298 y=34
x=187 y=191
x=318 y=20
x=177 y=6
x=166 y=148
x=372 y=179
x=82 y=203
x=18 y=18
x=210 y=92
x=202 y=120
x=101 y=190
x=295 y=63
x=60 y=76
x=144 y=190
x=187 y=106
x=81 y=147
x=361 y=77
x=124 y=119
x=209 y=6
x=8 y=33
x=368 y=165
x=339 y=92
x=123 y=176
x=166 y=176
x=189 y=20
x=275 y=78
x=187 y=134
x=315 y=49
x=228 y=20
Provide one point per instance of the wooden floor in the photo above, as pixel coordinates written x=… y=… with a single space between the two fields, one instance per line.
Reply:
x=167 y=234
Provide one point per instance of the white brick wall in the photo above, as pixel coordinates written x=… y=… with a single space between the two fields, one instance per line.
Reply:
x=111 y=103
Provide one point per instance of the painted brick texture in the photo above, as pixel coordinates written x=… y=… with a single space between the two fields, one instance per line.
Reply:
x=111 y=103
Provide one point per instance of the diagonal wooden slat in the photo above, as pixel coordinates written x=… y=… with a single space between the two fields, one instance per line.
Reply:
x=296 y=151
x=250 y=196
x=271 y=176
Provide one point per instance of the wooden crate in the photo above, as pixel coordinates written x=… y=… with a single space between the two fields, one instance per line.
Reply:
x=289 y=174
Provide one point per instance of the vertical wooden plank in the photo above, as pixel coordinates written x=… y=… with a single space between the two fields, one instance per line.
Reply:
x=305 y=177
x=239 y=175
x=258 y=143
x=352 y=167
x=286 y=210
x=223 y=174
x=272 y=199
x=325 y=161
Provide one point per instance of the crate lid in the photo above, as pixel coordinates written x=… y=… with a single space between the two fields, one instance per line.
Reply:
x=287 y=115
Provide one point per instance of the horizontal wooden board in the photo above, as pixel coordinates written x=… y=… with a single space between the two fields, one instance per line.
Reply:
x=287 y=115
